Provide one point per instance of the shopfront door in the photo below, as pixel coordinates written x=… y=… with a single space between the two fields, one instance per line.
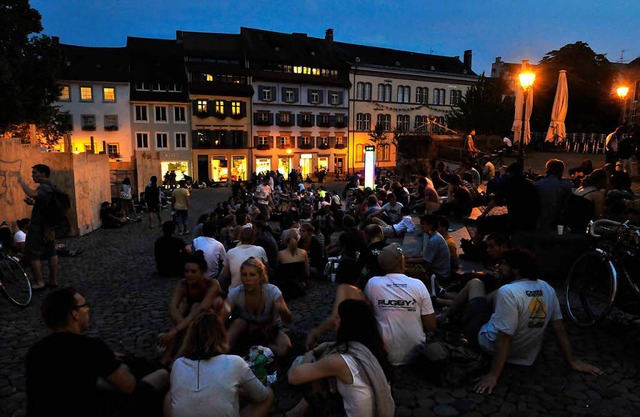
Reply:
x=338 y=164
x=219 y=169
x=306 y=164
x=203 y=168
x=239 y=168
x=284 y=166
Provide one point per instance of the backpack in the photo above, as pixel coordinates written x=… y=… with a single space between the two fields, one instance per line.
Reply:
x=578 y=213
x=56 y=214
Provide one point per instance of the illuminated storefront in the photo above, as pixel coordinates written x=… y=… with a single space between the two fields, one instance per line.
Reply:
x=306 y=164
x=284 y=166
x=263 y=164
x=219 y=169
x=239 y=168
x=177 y=162
x=323 y=163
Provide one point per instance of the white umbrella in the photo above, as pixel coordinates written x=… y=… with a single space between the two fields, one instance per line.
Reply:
x=557 y=131
x=517 y=120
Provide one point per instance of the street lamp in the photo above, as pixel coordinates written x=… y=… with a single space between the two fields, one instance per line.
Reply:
x=622 y=92
x=526 y=81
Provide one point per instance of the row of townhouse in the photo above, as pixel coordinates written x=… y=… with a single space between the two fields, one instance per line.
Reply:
x=223 y=106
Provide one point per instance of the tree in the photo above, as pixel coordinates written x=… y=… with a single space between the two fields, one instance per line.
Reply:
x=590 y=78
x=28 y=66
x=379 y=137
x=484 y=107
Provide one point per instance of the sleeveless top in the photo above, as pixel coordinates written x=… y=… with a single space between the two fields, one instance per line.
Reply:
x=191 y=299
x=358 y=396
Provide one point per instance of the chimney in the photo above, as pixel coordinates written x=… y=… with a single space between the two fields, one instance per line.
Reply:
x=328 y=35
x=467 y=60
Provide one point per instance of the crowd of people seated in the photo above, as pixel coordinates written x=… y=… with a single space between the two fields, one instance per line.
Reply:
x=239 y=272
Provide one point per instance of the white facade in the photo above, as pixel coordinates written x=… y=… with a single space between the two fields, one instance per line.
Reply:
x=98 y=110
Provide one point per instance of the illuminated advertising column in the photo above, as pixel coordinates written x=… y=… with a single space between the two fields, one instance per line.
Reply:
x=369 y=166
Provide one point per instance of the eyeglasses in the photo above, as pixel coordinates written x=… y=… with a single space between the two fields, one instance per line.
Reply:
x=78 y=307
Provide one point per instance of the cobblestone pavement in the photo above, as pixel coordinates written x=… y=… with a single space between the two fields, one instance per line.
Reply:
x=129 y=309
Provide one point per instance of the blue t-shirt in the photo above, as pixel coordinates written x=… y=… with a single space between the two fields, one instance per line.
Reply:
x=436 y=252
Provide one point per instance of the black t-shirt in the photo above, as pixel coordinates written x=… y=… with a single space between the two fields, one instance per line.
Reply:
x=522 y=201
x=368 y=262
x=61 y=374
x=168 y=253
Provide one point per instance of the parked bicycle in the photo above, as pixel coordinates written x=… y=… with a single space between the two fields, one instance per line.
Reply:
x=605 y=276
x=13 y=280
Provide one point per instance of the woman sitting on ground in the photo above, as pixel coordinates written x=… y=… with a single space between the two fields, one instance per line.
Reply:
x=206 y=381
x=292 y=270
x=314 y=249
x=194 y=294
x=357 y=361
x=258 y=308
x=347 y=277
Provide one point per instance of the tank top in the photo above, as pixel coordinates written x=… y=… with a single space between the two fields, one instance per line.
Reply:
x=358 y=396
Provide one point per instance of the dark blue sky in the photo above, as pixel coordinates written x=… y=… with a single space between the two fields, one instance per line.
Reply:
x=512 y=29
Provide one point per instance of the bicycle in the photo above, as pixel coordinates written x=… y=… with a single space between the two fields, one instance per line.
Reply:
x=605 y=276
x=13 y=280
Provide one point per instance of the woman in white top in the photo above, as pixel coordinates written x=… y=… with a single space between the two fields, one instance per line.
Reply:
x=359 y=364
x=240 y=253
x=205 y=382
x=127 y=198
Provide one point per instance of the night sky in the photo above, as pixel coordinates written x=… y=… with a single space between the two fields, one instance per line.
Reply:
x=512 y=29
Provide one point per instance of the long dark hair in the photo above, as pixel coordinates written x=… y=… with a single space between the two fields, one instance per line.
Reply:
x=206 y=337
x=358 y=324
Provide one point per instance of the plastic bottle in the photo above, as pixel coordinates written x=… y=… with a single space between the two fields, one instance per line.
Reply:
x=260 y=366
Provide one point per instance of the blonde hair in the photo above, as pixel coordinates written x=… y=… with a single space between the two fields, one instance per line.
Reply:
x=257 y=263
x=290 y=239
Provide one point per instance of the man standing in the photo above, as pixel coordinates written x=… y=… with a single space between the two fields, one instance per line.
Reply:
x=470 y=143
x=153 y=198
x=264 y=197
x=402 y=307
x=62 y=369
x=180 y=204
x=40 y=243
x=611 y=147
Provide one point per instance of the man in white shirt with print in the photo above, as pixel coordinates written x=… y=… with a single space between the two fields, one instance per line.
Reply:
x=402 y=307
x=514 y=332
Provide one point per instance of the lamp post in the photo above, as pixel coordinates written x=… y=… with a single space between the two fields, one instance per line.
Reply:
x=526 y=81
x=622 y=92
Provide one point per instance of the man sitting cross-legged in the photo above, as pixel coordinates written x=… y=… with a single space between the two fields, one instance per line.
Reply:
x=513 y=332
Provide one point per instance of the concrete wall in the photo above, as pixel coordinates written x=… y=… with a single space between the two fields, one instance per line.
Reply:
x=85 y=177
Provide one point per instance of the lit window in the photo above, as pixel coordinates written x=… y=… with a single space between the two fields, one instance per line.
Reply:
x=65 y=93
x=201 y=106
x=219 y=106
x=208 y=77
x=179 y=114
x=181 y=140
x=306 y=70
x=141 y=114
x=86 y=93
x=315 y=71
x=235 y=108
x=161 y=140
x=142 y=140
x=109 y=93
x=161 y=113
x=297 y=70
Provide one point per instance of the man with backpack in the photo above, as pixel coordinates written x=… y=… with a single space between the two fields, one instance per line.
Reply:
x=40 y=244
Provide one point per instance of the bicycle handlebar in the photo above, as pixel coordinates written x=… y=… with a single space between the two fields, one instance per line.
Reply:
x=607 y=222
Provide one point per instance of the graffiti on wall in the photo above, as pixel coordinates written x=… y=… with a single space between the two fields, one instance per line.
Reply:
x=9 y=188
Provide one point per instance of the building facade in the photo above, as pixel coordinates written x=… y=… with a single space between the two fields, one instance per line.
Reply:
x=160 y=108
x=94 y=91
x=300 y=105
x=220 y=94
x=398 y=91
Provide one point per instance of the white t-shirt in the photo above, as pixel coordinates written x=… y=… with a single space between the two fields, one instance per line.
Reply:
x=523 y=310
x=393 y=211
x=262 y=193
x=399 y=302
x=20 y=237
x=213 y=253
x=507 y=142
x=239 y=254
x=210 y=387
x=358 y=396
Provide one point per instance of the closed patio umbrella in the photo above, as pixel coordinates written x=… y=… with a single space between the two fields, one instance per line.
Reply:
x=517 y=120
x=557 y=131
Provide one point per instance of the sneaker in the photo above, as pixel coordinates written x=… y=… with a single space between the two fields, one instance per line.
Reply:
x=436 y=290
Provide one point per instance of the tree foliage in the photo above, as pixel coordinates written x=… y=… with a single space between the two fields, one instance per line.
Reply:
x=28 y=66
x=590 y=78
x=379 y=137
x=484 y=107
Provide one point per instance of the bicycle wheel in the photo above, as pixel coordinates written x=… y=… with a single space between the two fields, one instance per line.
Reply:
x=14 y=281
x=629 y=267
x=590 y=288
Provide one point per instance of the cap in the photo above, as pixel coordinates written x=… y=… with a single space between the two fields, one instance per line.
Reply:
x=390 y=257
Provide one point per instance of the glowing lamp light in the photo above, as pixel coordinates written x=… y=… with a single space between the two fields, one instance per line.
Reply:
x=289 y=151
x=622 y=92
x=369 y=166
x=527 y=79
